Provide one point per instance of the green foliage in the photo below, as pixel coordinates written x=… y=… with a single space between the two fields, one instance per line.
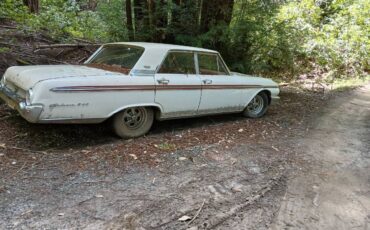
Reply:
x=13 y=9
x=282 y=38
x=183 y=26
x=342 y=45
x=257 y=38
x=64 y=19
x=4 y=49
x=296 y=37
x=112 y=15
x=61 y=19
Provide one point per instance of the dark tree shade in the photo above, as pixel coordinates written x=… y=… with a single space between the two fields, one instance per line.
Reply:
x=160 y=20
x=215 y=12
x=184 y=25
x=33 y=5
x=141 y=19
x=129 y=21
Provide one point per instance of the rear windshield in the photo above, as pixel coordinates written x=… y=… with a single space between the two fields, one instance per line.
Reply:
x=117 y=58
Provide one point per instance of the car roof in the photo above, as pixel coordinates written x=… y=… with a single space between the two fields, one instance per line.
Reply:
x=161 y=46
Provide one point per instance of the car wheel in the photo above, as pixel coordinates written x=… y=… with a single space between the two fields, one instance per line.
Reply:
x=133 y=122
x=257 y=107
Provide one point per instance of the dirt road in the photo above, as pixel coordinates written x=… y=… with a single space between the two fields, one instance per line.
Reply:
x=294 y=169
x=335 y=192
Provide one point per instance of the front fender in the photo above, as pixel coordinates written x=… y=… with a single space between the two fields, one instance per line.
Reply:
x=271 y=92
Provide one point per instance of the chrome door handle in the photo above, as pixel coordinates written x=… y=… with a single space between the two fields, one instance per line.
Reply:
x=207 y=82
x=163 y=81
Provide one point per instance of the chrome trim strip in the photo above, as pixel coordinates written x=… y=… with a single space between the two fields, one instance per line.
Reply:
x=143 y=72
x=153 y=87
x=72 y=121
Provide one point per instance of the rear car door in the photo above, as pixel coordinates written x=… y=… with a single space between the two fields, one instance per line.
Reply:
x=221 y=92
x=178 y=87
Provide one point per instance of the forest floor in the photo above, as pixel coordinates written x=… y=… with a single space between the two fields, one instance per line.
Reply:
x=222 y=172
x=303 y=165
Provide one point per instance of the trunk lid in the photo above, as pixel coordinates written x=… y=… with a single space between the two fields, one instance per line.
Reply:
x=25 y=77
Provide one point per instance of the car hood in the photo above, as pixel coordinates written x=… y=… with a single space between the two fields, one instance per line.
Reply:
x=257 y=80
x=26 y=77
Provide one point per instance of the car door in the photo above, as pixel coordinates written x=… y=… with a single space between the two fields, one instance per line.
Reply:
x=178 y=87
x=221 y=92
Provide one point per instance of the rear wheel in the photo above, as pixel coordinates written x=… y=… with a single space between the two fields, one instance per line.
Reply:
x=257 y=107
x=133 y=122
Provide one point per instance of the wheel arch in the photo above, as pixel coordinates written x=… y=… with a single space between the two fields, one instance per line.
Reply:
x=268 y=93
x=156 y=109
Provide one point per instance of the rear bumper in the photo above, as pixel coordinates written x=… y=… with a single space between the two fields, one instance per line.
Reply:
x=29 y=112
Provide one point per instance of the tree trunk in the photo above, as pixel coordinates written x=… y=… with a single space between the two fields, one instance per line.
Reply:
x=216 y=12
x=151 y=8
x=141 y=20
x=33 y=5
x=160 y=21
x=92 y=4
x=129 y=22
x=184 y=21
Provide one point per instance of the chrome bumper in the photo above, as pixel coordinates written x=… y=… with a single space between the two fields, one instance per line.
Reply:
x=274 y=100
x=29 y=112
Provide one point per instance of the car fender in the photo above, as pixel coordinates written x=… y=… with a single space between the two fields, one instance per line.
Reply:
x=255 y=94
x=159 y=107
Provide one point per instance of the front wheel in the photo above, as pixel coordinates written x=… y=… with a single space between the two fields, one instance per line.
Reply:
x=257 y=107
x=133 y=122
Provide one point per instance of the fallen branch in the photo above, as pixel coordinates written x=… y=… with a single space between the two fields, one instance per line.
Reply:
x=83 y=40
x=57 y=61
x=62 y=51
x=58 y=46
x=5 y=117
x=213 y=223
x=24 y=62
x=8 y=27
x=40 y=57
x=83 y=59
x=196 y=215
x=22 y=149
x=29 y=150
x=8 y=44
x=14 y=174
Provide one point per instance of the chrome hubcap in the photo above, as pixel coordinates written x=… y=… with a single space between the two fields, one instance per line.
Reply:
x=134 y=118
x=256 y=105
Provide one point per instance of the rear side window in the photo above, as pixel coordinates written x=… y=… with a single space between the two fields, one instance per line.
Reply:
x=211 y=64
x=178 y=63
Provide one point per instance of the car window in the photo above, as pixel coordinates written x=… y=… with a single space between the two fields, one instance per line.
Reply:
x=118 y=56
x=178 y=63
x=211 y=64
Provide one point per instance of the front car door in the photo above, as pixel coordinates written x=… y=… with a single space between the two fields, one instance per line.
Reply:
x=221 y=92
x=178 y=87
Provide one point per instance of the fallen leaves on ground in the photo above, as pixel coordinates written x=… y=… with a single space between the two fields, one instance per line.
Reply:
x=80 y=147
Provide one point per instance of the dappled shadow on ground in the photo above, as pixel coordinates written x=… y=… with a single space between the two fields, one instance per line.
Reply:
x=65 y=136
x=82 y=146
x=58 y=136
x=83 y=175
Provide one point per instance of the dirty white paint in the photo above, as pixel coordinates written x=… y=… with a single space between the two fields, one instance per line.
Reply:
x=70 y=92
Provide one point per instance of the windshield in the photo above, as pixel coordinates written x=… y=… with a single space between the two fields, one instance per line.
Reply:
x=117 y=58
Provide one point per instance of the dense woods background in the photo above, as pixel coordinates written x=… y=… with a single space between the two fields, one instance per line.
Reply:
x=323 y=39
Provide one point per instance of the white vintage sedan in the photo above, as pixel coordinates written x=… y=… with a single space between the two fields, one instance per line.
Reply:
x=133 y=84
